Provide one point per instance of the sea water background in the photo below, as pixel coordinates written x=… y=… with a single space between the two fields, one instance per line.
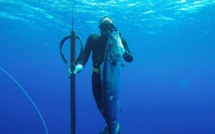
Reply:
x=169 y=88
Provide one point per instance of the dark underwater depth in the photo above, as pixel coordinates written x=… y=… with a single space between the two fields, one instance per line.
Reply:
x=169 y=88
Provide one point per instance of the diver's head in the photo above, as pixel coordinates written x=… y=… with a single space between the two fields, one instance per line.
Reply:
x=105 y=25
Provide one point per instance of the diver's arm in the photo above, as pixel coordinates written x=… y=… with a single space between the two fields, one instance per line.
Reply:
x=87 y=51
x=127 y=55
x=84 y=57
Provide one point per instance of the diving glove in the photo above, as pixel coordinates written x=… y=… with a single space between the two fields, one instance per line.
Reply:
x=77 y=70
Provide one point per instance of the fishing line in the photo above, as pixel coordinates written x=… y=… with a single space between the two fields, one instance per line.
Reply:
x=38 y=111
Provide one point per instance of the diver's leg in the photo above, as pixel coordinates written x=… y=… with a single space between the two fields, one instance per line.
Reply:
x=97 y=93
x=97 y=89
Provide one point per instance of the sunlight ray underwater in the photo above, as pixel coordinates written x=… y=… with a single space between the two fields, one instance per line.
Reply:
x=38 y=111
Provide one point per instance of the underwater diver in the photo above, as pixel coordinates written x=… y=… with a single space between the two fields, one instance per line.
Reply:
x=96 y=43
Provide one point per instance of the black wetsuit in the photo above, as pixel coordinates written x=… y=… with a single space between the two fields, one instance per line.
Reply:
x=96 y=44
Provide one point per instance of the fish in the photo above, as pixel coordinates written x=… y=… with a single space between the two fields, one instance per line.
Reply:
x=110 y=78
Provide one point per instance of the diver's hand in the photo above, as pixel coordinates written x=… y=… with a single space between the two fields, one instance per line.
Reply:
x=122 y=49
x=78 y=69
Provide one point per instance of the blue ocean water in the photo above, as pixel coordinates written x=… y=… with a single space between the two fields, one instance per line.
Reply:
x=169 y=88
